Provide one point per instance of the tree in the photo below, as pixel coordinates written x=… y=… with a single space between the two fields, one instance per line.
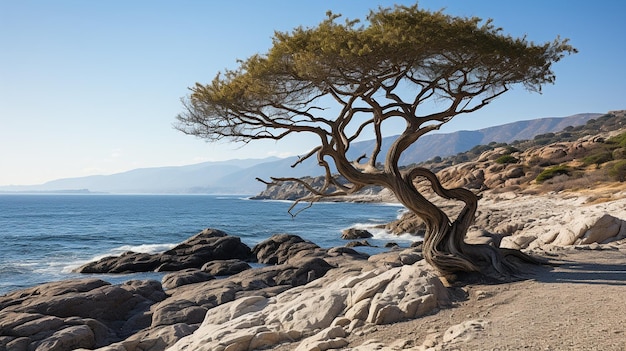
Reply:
x=400 y=61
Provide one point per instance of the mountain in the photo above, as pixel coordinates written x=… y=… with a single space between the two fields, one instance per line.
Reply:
x=448 y=144
x=239 y=176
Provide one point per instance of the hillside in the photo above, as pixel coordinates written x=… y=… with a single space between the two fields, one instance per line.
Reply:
x=239 y=176
x=574 y=158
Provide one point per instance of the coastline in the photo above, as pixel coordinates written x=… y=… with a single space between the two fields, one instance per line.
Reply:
x=365 y=311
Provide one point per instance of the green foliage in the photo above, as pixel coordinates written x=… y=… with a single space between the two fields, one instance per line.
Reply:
x=504 y=159
x=361 y=65
x=619 y=140
x=618 y=171
x=544 y=136
x=552 y=172
x=598 y=158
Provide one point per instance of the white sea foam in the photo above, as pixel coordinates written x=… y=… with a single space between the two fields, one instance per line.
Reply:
x=68 y=267
x=383 y=234
x=144 y=248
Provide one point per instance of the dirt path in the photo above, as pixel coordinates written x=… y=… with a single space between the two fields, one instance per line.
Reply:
x=579 y=305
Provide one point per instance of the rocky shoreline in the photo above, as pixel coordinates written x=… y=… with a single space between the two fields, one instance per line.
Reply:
x=303 y=297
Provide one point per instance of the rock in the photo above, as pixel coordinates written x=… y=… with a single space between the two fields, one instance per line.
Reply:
x=605 y=229
x=67 y=315
x=154 y=339
x=225 y=267
x=354 y=233
x=281 y=247
x=329 y=338
x=69 y=338
x=408 y=223
x=397 y=258
x=184 y=277
x=208 y=245
x=357 y=243
x=306 y=272
x=190 y=303
x=322 y=308
x=590 y=229
x=464 y=331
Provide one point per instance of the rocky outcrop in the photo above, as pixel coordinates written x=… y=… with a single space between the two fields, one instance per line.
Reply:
x=531 y=222
x=68 y=315
x=293 y=191
x=225 y=267
x=140 y=315
x=321 y=313
x=206 y=246
x=355 y=233
x=280 y=248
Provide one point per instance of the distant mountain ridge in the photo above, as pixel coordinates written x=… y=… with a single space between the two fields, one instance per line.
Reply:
x=448 y=144
x=239 y=176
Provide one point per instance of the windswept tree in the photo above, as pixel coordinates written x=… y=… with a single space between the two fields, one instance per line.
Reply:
x=395 y=66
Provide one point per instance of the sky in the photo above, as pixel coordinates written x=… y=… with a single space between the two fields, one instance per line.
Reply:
x=93 y=87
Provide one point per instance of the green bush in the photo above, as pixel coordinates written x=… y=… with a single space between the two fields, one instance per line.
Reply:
x=552 y=172
x=618 y=171
x=598 y=158
x=618 y=139
x=506 y=159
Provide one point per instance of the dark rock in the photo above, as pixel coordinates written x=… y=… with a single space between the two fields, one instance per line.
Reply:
x=70 y=338
x=189 y=303
x=208 y=245
x=184 y=277
x=409 y=222
x=225 y=267
x=358 y=243
x=354 y=233
x=303 y=274
x=73 y=314
x=391 y=245
x=280 y=248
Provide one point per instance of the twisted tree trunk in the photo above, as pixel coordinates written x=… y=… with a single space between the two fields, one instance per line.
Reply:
x=444 y=246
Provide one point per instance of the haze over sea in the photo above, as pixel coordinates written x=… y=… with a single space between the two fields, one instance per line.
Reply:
x=45 y=236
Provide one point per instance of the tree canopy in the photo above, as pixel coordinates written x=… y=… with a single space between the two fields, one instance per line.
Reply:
x=388 y=67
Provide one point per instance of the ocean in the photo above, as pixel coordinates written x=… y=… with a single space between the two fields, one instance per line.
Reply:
x=44 y=236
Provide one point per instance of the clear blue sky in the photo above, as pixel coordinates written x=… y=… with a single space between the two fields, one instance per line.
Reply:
x=93 y=87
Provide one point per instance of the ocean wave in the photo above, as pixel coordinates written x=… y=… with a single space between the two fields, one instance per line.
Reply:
x=383 y=234
x=143 y=248
x=16 y=268
x=68 y=267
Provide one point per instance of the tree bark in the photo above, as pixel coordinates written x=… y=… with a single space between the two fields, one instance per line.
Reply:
x=444 y=244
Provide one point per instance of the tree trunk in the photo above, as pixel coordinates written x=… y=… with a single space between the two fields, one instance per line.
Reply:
x=444 y=246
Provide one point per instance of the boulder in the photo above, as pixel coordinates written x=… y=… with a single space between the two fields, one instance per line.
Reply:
x=208 y=245
x=354 y=233
x=329 y=338
x=186 y=276
x=357 y=243
x=67 y=315
x=225 y=267
x=279 y=248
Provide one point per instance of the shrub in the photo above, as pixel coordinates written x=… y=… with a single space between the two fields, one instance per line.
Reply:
x=618 y=139
x=619 y=154
x=552 y=172
x=598 y=158
x=618 y=171
x=506 y=159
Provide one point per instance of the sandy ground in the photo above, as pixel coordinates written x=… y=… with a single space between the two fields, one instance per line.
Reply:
x=578 y=305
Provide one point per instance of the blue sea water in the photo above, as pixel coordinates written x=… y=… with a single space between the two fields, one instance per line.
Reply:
x=44 y=236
